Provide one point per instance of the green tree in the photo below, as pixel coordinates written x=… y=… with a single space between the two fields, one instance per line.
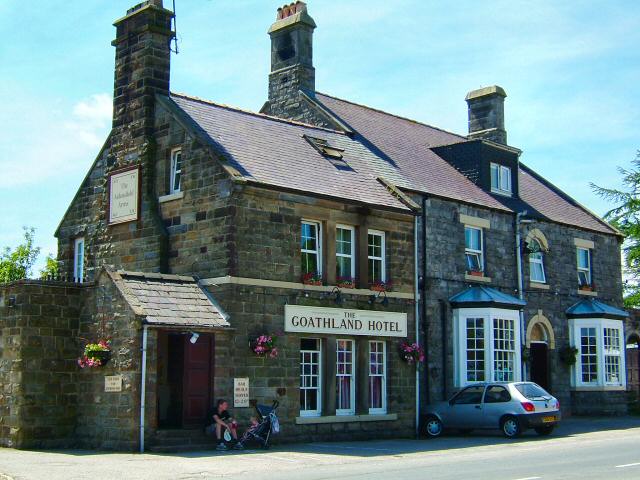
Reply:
x=17 y=264
x=50 y=269
x=625 y=216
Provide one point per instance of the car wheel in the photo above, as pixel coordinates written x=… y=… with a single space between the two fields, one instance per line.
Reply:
x=510 y=427
x=432 y=427
x=544 y=431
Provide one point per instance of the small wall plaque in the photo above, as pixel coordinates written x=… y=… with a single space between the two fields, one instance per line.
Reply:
x=240 y=392
x=124 y=192
x=113 y=383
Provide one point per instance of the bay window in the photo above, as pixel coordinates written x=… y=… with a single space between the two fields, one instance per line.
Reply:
x=487 y=345
x=600 y=358
x=311 y=248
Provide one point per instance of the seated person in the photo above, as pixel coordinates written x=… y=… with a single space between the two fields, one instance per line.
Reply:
x=221 y=422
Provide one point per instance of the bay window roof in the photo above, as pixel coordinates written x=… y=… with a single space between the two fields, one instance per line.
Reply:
x=592 y=308
x=485 y=297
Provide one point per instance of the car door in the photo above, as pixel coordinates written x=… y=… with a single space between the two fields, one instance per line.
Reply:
x=495 y=405
x=465 y=409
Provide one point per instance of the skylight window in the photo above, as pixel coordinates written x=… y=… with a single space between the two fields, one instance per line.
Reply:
x=330 y=152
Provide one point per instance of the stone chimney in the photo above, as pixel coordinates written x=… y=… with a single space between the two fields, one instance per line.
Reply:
x=291 y=61
x=486 y=114
x=142 y=65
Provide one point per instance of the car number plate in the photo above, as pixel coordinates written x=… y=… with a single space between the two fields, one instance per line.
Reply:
x=548 y=419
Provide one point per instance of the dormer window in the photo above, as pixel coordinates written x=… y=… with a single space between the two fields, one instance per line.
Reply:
x=501 y=179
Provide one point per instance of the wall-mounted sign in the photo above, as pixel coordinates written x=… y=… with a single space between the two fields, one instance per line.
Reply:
x=240 y=392
x=340 y=321
x=113 y=383
x=123 y=196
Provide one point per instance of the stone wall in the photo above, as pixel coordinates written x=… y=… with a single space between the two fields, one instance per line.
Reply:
x=445 y=276
x=110 y=420
x=256 y=311
x=38 y=371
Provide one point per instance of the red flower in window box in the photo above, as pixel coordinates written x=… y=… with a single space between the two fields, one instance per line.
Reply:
x=312 y=278
x=476 y=273
x=588 y=288
x=381 y=286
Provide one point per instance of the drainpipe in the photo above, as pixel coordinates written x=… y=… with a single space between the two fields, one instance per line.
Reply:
x=416 y=317
x=423 y=303
x=143 y=386
x=443 y=340
x=520 y=221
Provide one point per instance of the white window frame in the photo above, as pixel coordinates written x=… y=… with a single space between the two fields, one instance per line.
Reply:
x=78 y=259
x=504 y=185
x=601 y=325
x=488 y=315
x=318 y=411
x=537 y=258
x=383 y=364
x=318 y=250
x=382 y=259
x=352 y=232
x=352 y=376
x=582 y=269
x=173 y=188
x=472 y=251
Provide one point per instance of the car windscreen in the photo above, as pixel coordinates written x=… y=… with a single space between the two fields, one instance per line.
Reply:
x=532 y=391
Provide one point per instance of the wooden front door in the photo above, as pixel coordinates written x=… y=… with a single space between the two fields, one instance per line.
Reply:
x=197 y=381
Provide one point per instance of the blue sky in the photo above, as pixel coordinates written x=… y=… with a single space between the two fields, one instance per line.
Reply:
x=571 y=70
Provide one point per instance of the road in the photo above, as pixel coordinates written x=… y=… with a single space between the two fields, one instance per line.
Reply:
x=579 y=449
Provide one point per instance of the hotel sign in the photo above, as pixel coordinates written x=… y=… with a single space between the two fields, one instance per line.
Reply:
x=340 y=321
x=124 y=190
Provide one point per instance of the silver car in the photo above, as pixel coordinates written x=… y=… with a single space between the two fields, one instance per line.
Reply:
x=512 y=407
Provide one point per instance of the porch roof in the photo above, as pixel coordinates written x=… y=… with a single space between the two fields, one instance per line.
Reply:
x=170 y=300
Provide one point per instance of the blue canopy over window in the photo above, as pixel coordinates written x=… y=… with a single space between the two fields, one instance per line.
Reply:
x=485 y=297
x=592 y=308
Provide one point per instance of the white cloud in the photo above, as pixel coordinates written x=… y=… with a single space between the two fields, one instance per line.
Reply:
x=44 y=142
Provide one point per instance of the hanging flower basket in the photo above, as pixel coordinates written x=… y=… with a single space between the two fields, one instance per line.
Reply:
x=568 y=355
x=95 y=354
x=264 y=346
x=411 y=353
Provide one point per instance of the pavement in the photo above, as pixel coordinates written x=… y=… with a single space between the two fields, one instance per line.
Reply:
x=580 y=448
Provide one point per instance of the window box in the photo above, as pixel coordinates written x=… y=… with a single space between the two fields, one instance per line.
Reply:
x=587 y=288
x=381 y=286
x=476 y=273
x=346 y=282
x=312 y=279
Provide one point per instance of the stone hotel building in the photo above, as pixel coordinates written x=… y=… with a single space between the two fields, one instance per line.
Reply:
x=339 y=230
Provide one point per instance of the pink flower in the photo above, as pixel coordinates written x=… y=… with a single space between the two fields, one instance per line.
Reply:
x=274 y=352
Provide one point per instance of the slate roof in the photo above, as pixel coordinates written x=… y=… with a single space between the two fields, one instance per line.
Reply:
x=169 y=300
x=274 y=152
x=485 y=297
x=592 y=308
x=408 y=143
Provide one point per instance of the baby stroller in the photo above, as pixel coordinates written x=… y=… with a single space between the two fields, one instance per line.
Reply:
x=267 y=425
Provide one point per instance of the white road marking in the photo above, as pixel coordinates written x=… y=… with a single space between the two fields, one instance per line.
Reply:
x=628 y=465
x=528 y=478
